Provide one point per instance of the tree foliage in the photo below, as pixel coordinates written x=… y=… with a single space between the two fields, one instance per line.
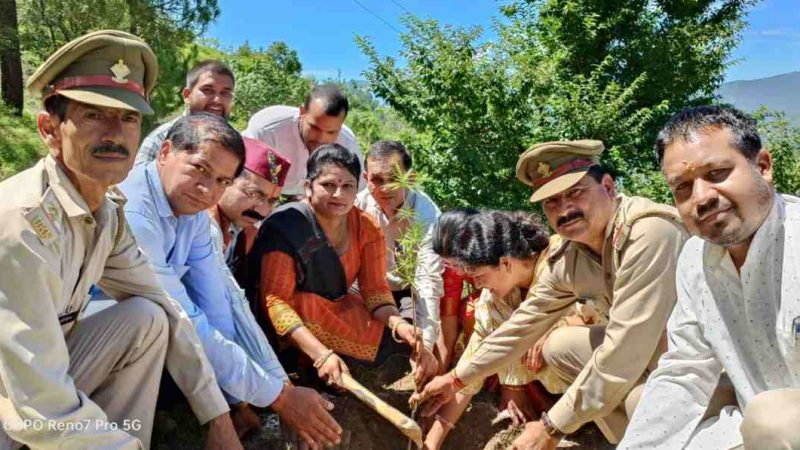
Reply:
x=168 y=26
x=559 y=69
x=265 y=77
x=783 y=141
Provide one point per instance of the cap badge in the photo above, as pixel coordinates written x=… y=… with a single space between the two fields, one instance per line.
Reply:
x=120 y=71
x=275 y=168
x=544 y=169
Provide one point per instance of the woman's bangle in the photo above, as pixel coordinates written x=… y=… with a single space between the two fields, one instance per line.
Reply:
x=324 y=357
x=445 y=423
x=394 y=331
x=512 y=387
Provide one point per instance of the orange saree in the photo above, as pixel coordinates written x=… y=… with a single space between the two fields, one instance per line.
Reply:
x=346 y=324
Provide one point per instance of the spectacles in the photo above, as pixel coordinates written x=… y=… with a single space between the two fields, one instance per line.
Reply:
x=257 y=197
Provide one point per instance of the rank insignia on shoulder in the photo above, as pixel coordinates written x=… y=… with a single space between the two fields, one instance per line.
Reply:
x=42 y=225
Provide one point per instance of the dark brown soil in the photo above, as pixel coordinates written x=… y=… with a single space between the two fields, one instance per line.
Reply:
x=177 y=429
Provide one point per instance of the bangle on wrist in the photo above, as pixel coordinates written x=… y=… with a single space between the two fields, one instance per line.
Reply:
x=394 y=331
x=550 y=428
x=445 y=423
x=324 y=357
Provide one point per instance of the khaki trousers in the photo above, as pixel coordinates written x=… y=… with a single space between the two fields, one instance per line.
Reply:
x=566 y=352
x=116 y=358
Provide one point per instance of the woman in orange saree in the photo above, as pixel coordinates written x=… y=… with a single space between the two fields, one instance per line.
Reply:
x=321 y=275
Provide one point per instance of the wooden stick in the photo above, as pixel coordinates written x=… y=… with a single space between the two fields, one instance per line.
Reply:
x=408 y=427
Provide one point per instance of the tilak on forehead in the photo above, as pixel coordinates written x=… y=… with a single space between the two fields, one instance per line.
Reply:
x=690 y=167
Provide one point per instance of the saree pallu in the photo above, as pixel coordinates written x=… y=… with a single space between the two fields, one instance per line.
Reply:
x=291 y=297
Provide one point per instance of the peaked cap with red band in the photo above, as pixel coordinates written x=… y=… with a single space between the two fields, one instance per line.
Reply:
x=553 y=167
x=265 y=161
x=105 y=68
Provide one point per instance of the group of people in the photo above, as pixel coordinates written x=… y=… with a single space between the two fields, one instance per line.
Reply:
x=233 y=256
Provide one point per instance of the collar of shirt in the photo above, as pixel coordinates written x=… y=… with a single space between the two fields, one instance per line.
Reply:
x=762 y=240
x=68 y=196
x=371 y=206
x=157 y=190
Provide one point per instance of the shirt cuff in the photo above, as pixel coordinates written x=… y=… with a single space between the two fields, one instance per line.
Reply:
x=564 y=417
x=208 y=403
x=430 y=334
x=270 y=391
x=467 y=372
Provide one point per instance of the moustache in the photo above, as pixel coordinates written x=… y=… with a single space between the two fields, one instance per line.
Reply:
x=253 y=215
x=110 y=148
x=569 y=217
x=707 y=209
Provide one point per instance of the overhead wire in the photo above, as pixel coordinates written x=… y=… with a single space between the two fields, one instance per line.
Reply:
x=388 y=24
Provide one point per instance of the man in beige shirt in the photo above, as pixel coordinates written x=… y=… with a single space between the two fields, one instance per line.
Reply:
x=618 y=263
x=65 y=382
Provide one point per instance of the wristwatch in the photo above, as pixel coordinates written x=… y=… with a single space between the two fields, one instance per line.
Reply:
x=551 y=429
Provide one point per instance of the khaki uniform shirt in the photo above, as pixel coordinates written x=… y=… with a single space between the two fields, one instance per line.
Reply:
x=52 y=250
x=632 y=286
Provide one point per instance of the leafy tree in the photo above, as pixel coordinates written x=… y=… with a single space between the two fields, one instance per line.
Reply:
x=783 y=141
x=266 y=77
x=10 y=57
x=168 y=26
x=559 y=69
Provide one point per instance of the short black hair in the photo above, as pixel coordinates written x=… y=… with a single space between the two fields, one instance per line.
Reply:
x=56 y=105
x=597 y=172
x=491 y=235
x=385 y=149
x=208 y=65
x=191 y=130
x=332 y=154
x=699 y=119
x=334 y=102
x=447 y=226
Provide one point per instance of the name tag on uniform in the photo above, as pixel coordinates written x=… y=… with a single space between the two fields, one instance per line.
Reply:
x=66 y=318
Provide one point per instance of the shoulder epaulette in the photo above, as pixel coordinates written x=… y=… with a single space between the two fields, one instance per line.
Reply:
x=558 y=245
x=623 y=222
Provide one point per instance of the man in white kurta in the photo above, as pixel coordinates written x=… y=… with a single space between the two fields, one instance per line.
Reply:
x=738 y=306
x=385 y=205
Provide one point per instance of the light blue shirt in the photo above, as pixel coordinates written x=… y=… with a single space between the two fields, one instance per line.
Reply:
x=182 y=255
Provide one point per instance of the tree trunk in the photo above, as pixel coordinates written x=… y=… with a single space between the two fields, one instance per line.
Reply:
x=10 y=59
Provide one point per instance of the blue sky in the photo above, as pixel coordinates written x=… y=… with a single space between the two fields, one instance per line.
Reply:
x=322 y=31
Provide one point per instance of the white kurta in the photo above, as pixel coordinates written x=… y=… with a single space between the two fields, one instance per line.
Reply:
x=746 y=325
x=428 y=278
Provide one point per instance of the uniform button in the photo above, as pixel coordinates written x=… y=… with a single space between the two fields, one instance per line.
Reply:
x=88 y=220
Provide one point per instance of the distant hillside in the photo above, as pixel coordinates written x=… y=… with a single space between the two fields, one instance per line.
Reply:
x=779 y=93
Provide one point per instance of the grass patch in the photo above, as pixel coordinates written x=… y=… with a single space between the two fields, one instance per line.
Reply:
x=20 y=144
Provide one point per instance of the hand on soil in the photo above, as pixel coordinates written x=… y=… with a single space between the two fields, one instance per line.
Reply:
x=305 y=411
x=436 y=394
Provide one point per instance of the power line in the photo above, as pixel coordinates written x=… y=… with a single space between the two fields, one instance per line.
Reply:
x=400 y=6
x=377 y=16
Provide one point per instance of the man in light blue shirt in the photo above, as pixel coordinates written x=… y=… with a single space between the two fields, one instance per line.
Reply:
x=167 y=199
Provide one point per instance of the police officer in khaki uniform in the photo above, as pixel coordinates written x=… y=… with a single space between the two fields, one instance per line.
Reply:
x=617 y=261
x=67 y=381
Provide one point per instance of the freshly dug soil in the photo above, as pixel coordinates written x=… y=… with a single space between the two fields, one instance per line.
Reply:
x=177 y=429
